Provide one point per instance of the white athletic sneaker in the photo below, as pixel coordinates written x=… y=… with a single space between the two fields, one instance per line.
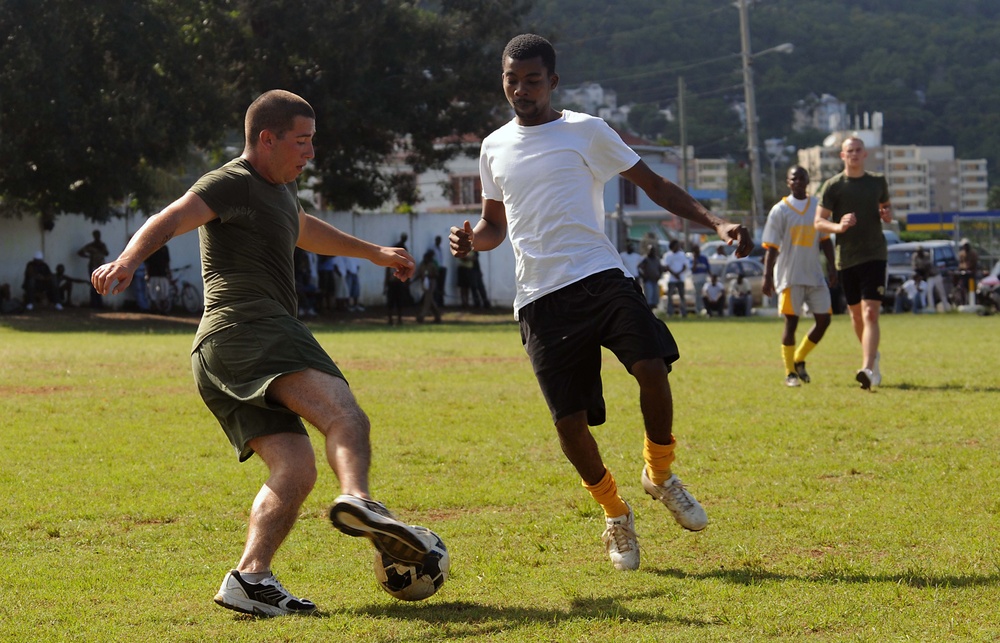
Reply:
x=266 y=598
x=359 y=517
x=621 y=542
x=686 y=510
x=865 y=377
x=791 y=381
x=876 y=373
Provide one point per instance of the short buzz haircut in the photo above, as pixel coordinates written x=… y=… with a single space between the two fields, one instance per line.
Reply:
x=274 y=110
x=529 y=45
x=852 y=138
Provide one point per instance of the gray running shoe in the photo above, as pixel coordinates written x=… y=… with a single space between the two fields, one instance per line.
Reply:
x=359 y=517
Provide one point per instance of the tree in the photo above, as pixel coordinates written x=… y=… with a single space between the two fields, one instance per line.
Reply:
x=392 y=82
x=993 y=198
x=98 y=98
x=96 y=95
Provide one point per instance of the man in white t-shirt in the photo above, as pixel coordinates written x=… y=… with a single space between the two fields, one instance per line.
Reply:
x=543 y=176
x=675 y=264
x=792 y=269
x=631 y=260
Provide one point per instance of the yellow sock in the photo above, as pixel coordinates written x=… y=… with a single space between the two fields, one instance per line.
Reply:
x=788 y=357
x=658 y=459
x=605 y=493
x=805 y=347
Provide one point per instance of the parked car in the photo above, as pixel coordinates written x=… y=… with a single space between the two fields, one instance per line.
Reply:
x=710 y=249
x=751 y=269
x=988 y=291
x=899 y=268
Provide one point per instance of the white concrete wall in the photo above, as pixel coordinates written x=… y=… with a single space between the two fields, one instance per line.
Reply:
x=21 y=238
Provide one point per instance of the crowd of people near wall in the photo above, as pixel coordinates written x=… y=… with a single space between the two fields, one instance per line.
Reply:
x=325 y=285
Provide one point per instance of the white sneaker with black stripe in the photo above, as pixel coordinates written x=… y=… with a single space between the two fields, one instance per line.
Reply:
x=266 y=598
x=359 y=517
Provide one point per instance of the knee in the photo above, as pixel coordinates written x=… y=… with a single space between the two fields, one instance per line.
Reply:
x=295 y=476
x=650 y=372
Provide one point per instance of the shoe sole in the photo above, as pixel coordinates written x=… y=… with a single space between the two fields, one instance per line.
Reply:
x=864 y=380
x=255 y=608
x=390 y=537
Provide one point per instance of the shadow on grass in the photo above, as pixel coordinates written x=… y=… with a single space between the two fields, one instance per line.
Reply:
x=468 y=619
x=755 y=576
x=482 y=620
x=909 y=386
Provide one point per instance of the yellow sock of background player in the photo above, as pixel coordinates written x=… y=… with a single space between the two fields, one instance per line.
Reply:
x=788 y=357
x=805 y=347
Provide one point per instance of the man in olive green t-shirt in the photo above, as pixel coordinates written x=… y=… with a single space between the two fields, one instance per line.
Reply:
x=853 y=205
x=257 y=367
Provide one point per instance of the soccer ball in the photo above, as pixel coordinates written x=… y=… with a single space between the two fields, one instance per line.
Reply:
x=409 y=582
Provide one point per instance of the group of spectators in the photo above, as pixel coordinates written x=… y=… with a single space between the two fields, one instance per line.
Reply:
x=55 y=288
x=711 y=297
x=329 y=284
x=925 y=289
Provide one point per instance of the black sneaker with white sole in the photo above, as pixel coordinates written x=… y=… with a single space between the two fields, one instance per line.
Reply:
x=359 y=517
x=266 y=598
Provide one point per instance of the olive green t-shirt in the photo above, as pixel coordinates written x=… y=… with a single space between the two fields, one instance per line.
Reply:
x=246 y=253
x=861 y=195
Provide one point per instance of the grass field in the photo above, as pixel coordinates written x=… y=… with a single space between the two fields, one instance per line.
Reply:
x=835 y=514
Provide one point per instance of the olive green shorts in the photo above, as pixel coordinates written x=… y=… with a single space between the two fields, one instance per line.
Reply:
x=234 y=366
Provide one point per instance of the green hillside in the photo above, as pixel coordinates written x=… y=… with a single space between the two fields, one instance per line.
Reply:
x=932 y=67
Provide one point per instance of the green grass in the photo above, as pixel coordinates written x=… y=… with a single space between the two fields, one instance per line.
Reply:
x=835 y=514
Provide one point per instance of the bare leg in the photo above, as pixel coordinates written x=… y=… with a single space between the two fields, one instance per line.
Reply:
x=580 y=447
x=327 y=403
x=788 y=336
x=289 y=457
x=819 y=328
x=655 y=399
x=871 y=335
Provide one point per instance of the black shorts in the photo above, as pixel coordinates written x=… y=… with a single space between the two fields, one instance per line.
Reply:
x=563 y=333
x=863 y=281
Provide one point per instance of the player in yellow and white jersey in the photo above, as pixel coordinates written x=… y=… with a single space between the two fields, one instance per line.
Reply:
x=793 y=271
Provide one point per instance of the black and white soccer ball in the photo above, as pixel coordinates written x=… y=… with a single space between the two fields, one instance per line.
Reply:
x=409 y=582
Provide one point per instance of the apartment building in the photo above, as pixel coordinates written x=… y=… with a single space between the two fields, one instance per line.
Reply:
x=921 y=178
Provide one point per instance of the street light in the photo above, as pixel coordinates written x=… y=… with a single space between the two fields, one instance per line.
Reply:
x=753 y=147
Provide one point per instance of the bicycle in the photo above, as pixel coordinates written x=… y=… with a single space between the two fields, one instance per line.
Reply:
x=166 y=293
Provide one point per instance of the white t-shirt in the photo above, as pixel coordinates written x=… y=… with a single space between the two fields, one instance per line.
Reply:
x=675 y=262
x=551 y=179
x=790 y=229
x=631 y=261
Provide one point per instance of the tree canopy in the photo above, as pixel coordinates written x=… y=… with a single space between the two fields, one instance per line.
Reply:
x=929 y=66
x=96 y=97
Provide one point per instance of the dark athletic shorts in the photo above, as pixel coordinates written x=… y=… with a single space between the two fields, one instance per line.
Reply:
x=234 y=366
x=563 y=333
x=863 y=281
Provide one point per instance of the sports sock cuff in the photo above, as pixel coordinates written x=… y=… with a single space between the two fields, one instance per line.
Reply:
x=788 y=358
x=659 y=458
x=255 y=578
x=605 y=493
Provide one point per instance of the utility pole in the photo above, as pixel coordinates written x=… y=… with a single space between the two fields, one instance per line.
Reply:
x=684 y=153
x=753 y=148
